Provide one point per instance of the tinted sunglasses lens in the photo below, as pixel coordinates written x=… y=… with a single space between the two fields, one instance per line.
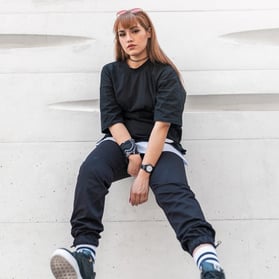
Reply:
x=133 y=11
x=121 y=12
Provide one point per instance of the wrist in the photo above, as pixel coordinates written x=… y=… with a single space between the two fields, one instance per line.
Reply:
x=134 y=156
x=143 y=174
x=129 y=148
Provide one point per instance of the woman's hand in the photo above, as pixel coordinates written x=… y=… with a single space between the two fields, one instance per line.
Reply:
x=140 y=188
x=134 y=164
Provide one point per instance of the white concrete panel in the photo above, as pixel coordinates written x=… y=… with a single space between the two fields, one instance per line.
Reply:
x=142 y=249
x=249 y=250
x=51 y=54
x=46 y=175
x=195 y=103
x=30 y=245
x=19 y=122
x=235 y=179
x=145 y=249
x=25 y=114
x=195 y=82
x=200 y=42
x=232 y=180
x=233 y=102
x=187 y=50
x=37 y=180
x=209 y=125
x=77 y=50
x=99 y=5
x=231 y=82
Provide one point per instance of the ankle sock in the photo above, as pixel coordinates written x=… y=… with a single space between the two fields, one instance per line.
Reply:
x=206 y=258
x=88 y=248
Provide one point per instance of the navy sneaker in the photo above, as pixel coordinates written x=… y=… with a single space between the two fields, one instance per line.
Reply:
x=209 y=271
x=72 y=265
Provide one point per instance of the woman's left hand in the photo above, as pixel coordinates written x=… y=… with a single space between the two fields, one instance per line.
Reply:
x=140 y=189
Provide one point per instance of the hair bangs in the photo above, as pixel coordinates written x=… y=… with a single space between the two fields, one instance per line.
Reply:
x=125 y=21
x=129 y=20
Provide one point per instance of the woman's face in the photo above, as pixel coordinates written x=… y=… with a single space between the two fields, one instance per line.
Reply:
x=134 y=40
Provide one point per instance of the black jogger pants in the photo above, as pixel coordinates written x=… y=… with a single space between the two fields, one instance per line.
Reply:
x=106 y=164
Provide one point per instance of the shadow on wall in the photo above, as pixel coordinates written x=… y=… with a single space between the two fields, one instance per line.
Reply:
x=258 y=37
x=229 y=102
x=11 y=41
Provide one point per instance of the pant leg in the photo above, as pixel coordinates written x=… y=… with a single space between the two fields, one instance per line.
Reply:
x=104 y=165
x=174 y=196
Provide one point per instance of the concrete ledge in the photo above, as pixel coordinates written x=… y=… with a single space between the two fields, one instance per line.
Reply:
x=147 y=249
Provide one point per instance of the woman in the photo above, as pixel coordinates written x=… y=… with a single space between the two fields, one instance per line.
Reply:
x=141 y=103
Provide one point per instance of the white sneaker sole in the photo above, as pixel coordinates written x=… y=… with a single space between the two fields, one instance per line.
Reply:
x=64 y=266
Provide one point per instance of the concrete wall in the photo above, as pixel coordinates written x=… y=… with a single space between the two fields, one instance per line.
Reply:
x=51 y=53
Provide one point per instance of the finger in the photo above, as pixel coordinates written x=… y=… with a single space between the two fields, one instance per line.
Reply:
x=143 y=199
x=137 y=199
x=133 y=199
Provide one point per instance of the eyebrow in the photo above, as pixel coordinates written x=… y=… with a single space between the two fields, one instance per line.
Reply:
x=132 y=27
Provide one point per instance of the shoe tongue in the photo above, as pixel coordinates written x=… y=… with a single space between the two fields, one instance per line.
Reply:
x=86 y=252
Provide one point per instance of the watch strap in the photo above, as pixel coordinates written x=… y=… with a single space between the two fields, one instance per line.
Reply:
x=147 y=167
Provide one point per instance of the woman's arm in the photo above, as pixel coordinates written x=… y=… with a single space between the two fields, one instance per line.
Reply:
x=121 y=134
x=156 y=142
x=140 y=187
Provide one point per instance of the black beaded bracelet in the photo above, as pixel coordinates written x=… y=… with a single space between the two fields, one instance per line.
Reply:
x=129 y=147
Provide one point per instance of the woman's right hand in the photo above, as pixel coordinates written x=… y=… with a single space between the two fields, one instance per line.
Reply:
x=134 y=164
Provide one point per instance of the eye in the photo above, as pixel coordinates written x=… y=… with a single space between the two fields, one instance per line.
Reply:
x=135 y=31
x=121 y=34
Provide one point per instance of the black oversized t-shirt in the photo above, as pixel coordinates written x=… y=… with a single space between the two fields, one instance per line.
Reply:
x=139 y=97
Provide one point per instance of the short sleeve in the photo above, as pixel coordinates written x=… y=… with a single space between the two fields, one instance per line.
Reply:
x=170 y=97
x=111 y=112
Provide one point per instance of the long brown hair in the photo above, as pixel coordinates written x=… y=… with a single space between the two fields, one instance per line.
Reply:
x=155 y=53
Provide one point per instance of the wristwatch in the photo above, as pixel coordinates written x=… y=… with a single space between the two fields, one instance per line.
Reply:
x=129 y=147
x=148 y=168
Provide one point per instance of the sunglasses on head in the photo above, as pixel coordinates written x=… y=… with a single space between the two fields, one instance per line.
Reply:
x=133 y=11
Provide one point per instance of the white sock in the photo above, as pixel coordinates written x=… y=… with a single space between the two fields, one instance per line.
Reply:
x=87 y=247
x=206 y=253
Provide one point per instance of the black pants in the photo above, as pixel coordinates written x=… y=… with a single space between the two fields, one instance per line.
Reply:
x=106 y=164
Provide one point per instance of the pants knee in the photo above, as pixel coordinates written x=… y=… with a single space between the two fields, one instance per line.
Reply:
x=93 y=179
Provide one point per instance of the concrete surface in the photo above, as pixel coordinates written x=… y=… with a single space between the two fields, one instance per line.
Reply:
x=51 y=54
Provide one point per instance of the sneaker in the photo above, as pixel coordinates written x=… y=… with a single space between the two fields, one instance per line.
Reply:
x=209 y=271
x=72 y=265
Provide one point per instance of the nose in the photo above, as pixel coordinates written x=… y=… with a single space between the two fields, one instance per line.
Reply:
x=129 y=37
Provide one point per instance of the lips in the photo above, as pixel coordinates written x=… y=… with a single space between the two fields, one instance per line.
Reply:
x=131 y=46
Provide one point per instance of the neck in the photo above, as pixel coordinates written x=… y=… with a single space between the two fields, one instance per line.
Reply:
x=138 y=60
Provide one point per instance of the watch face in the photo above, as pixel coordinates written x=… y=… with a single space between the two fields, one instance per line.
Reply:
x=128 y=145
x=149 y=168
